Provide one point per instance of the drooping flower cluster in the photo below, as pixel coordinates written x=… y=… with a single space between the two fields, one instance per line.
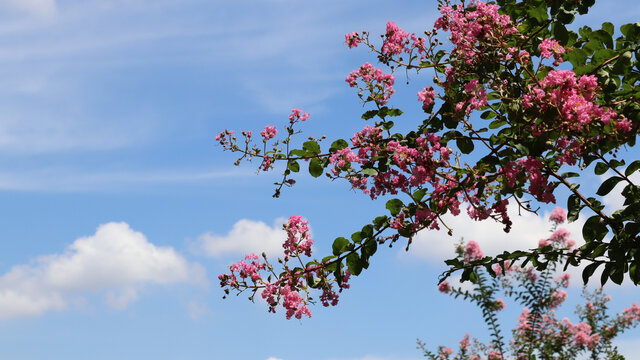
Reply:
x=550 y=47
x=374 y=81
x=292 y=288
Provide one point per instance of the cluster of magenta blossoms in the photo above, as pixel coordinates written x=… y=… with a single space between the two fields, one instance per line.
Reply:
x=292 y=288
x=539 y=333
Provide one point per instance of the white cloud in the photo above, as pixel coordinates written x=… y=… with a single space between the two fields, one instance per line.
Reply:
x=40 y=8
x=116 y=260
x=630 y=348
x=246 y=236
x=527 y=230
x=273 y=358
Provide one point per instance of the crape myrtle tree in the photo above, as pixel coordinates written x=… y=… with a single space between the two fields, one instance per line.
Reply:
x=519 y=105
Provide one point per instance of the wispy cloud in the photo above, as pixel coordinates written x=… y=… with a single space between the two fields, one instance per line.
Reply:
x=39 y=8
x=116 y=261
x=75 y=180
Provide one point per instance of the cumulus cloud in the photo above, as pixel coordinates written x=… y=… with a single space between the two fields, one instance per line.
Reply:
x=527 y=230
x=40 y=8
x=116 y=261
x=246 y=236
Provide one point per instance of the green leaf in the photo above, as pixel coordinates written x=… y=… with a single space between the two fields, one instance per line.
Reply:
x=394 y=112
x=488 y=115
x=370 y=171
x=394 y=206
x=293 y=166
x=354 y=264
x=338 y=145
x=419 y=194
x=608 y=185
x=311 y=147
x=341 y=245
x=370 y=247
x=574 y=206
x=387 y=125
x=315 y=167
x=633 y=167
x=588 y=271
x=380 y=221
x=497 y=123
x=369 y=114
x=465 y=145
x=593 y=229
x=539 y=13
x=608 y=27
x=560 y=33
x=601 y=168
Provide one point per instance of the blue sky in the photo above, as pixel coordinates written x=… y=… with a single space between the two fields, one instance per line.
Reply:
x=118 y=211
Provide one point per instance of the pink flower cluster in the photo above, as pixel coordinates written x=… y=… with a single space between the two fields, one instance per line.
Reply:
x=243 y=270
x=558 y=215
x=550 y=48
x=376 y=82
x=472 y=252
x=474 y=27
x=477 y=97
x=539 y=185
x=297 y=114
x=426 y=96
x=269 y=132
x=292 y=301
x=352 y=39
x=574 y=99
x=299 y=239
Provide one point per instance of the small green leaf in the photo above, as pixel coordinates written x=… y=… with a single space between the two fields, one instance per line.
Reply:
x=370 y=247
x=369 y=114
x=608 y=185
x=574 y=207
x=354 y=264
x=394 y=206
x=311 y=147
x=341 y=245
x=601 y=168
x=293 y=166
x=588 y=271
x=419 y=194
x=380 y=221
x=465 y=145
x=370 y=171
x=338 y=145
x=633 y=167
x=594 y=229
x=315 y=167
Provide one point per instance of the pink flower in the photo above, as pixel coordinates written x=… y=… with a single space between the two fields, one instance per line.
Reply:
x=269 y=132
x=558 y=215
x=444 y=287
x=551 y=47
x=298 y=114
x=352 y=39
x=426 y=95
x=472 y=252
